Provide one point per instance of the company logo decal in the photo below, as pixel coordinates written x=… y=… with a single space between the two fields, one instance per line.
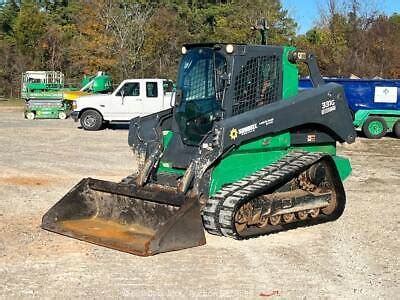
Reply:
x=233 y=134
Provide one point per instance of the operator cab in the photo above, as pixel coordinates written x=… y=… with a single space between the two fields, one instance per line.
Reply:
x=216 y=81
x=200 y=92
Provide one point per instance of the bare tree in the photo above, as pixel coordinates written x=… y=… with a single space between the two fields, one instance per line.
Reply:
x=126 y=21
x=52 y=47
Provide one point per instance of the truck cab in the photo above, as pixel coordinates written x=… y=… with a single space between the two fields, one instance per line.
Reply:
x=132 y=98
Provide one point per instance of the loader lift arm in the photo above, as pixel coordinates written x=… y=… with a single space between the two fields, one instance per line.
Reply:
x=324 y=106
x=146 y=141
x=310 y=60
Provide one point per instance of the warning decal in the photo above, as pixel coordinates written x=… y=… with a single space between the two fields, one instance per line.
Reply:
x=385 y=94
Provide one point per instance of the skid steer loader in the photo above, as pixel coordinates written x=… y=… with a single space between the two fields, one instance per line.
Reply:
x=242 y=153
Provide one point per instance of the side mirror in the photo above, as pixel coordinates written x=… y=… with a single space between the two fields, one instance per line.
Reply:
x=122 y=92
x=178 y=97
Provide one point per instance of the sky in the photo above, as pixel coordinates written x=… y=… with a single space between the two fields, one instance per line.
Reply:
x=305 y=12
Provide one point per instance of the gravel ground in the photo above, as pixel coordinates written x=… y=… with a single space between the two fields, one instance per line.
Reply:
x=354 y=257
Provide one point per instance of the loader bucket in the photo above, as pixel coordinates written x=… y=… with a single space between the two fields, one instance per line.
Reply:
x=142 y=221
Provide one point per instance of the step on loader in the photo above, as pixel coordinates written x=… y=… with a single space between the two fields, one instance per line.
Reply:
x=242 y=153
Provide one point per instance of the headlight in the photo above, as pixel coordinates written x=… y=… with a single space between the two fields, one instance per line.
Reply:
x=229 y=48
x=74 y=105
x=184 y=50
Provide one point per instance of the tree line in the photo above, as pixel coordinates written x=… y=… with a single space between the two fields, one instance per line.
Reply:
x=352 y=38
x=142 y=38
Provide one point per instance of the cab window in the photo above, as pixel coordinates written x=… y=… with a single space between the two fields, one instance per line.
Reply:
x=130 y=89
x=168 y=86
x=151 y=89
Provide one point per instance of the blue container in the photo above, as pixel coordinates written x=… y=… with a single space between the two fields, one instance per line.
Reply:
x=366 y=94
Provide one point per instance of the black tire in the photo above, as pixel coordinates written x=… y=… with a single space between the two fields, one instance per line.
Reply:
x=30 y=115
x=374 y=134
x=91 y=120
x=396 y=129
x=106 y=124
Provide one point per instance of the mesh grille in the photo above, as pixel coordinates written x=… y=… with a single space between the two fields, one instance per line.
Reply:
x=257 y=84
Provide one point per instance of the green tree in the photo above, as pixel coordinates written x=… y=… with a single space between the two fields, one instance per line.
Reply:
x=28 y=28
x=8 y=13
x=90 y=49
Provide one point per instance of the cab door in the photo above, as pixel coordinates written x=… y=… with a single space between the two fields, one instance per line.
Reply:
x=128 y=101
x=154 y=97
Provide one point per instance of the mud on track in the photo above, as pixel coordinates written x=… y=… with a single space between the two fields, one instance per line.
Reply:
x=356 y=256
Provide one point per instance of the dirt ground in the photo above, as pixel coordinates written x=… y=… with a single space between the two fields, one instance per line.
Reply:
x=354 y=257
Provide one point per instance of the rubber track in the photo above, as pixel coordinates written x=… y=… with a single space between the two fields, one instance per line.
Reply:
x=218 y=214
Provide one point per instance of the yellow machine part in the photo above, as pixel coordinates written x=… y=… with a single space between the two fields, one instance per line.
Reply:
x=73 y=95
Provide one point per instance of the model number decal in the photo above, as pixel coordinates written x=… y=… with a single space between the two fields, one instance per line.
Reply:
x=328 y=106
x=266 y=122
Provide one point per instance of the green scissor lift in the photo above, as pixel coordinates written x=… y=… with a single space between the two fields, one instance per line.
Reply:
x=47 y=97
x=43 y=95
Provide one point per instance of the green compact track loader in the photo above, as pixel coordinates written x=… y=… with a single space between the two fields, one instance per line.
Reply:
x=241 y=154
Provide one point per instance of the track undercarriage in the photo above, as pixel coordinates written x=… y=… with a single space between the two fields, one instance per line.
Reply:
x=300 y=189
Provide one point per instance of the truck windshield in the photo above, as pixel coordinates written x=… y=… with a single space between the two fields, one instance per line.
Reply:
x=199 y=76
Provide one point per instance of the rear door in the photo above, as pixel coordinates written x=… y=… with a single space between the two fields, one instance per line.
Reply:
x=154 y=96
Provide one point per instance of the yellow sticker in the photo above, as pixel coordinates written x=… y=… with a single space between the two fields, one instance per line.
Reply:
x=233 y=134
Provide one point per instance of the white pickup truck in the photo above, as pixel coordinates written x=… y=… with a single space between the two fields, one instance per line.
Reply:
x=132 y=98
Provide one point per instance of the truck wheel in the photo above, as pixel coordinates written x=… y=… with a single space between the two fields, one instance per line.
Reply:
x=62 y=115
x=106 y=124
x=396 y=129
x=91 y=120
x=30 y=115
x=374 y=127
